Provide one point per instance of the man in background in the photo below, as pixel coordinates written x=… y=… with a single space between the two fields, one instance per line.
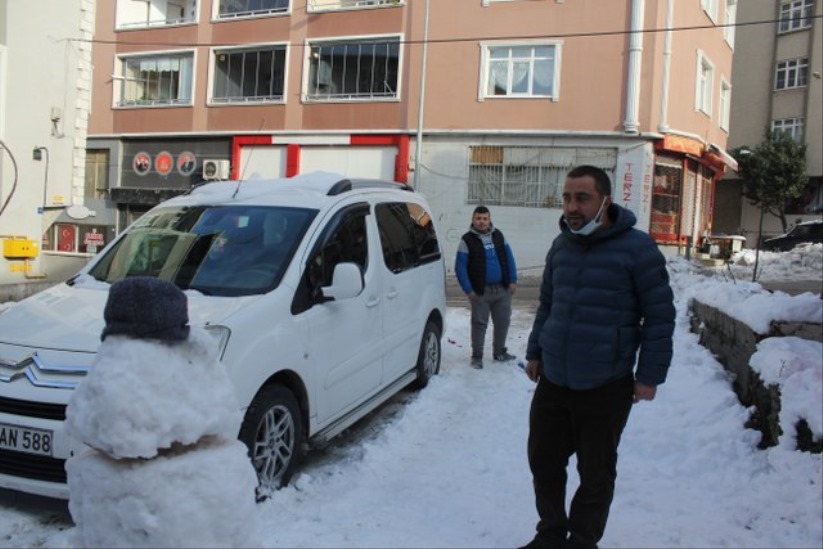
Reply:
x=487 y=274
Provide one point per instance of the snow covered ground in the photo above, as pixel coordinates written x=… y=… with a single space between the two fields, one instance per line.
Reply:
x=447 y=467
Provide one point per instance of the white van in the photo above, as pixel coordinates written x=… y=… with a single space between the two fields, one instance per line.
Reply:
x=327 y=296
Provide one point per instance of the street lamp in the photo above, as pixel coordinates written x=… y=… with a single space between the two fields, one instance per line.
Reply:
x=37 y=154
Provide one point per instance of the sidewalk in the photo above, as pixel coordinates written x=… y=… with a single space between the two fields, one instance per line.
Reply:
x=528 y=289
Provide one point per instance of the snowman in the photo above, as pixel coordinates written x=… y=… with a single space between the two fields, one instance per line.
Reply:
x=162 y=465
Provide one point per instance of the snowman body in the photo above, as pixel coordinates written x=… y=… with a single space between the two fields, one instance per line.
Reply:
x=163 y=467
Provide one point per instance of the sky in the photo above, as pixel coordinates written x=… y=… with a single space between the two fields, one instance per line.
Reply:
x=446 y=467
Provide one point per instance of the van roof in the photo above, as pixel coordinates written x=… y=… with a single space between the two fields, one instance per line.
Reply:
x=324 y=183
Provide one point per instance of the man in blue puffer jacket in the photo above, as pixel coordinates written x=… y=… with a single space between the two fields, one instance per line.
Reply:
x=605 y=294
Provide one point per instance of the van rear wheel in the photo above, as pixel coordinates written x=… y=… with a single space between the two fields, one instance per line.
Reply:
x=273 y=433
x=428 y=359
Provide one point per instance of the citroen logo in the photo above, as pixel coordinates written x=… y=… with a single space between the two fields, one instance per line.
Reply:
x=34 y=369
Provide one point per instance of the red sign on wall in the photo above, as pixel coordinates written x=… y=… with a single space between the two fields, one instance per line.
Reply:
x=66 y=238
x=163 y=163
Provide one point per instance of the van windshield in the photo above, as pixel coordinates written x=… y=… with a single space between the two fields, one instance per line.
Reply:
x=216 y=250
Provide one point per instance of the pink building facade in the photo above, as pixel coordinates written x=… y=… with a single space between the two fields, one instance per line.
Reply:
x=469 y=101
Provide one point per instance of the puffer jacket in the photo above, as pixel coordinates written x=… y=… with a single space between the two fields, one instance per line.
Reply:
x=603 y=296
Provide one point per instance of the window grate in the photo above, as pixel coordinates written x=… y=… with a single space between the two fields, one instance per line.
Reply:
x=530 y=177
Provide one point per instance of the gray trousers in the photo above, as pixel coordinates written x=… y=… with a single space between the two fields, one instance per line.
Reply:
x=496 y=302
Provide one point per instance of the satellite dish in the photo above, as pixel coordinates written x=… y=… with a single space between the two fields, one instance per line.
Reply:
x=76 y=211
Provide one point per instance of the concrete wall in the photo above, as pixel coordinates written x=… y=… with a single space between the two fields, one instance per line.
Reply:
x=733 y=343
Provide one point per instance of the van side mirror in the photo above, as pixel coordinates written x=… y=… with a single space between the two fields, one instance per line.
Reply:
x=347 y=282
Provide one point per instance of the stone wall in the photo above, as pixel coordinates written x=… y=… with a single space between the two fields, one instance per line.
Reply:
x=733 y=343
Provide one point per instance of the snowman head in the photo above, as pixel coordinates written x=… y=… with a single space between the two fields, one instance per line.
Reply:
x=145 y=307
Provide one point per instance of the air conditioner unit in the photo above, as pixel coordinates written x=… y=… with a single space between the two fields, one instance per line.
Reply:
x=215 y=169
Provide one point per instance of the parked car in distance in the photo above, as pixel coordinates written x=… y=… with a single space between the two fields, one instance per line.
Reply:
x=806 y=232
x=326 y=295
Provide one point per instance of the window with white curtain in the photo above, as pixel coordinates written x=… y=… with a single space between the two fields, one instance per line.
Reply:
x=710 y=7
x=164 y=79
x=704 y=84
x=730 y=20
x=521 y=70
x=724 y=104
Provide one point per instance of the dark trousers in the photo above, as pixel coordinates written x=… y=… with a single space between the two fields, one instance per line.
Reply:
x=588 y=423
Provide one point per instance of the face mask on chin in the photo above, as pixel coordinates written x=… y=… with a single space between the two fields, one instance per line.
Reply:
x=593 y=223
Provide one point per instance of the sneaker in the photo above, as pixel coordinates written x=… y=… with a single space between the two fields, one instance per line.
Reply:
x=504 y=357
x=476 y=362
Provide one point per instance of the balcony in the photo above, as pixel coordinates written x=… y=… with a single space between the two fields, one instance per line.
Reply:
x=143 y=14
x=335 y=5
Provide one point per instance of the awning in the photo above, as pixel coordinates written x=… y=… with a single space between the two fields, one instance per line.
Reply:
x=727 y=159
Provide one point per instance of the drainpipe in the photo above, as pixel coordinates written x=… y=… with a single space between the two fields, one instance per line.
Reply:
x=421 y=100
x=663 y=126
x=631 y=124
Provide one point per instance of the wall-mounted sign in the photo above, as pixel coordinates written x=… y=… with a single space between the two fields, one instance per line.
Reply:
x=93 y=241
x=141 y=164
x=186 y=163
x=163 y=163
x=66 y=238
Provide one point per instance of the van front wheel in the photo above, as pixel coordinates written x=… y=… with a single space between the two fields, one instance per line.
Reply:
x=273 y=432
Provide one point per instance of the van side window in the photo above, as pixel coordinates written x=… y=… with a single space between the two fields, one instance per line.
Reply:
x=346 y=244
x=407 y=235
x=345 y=239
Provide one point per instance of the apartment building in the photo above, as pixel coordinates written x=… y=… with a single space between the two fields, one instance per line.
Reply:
x=45 y=89
x=470 y=101
x=777 y=73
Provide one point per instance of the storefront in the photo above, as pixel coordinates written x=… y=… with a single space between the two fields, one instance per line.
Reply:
x=685 y=172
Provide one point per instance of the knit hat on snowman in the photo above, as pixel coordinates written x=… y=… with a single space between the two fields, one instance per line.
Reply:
x=145 y=307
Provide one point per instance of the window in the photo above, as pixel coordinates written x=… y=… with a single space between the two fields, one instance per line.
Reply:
x=531 y=177
x=407 y=236
x=97 y=174
x=710 y=7
x=704 y=84
x=724 y=104
x=354 y=70
x=249 y=75
x=76 y=238
x=521 y=70
x=795 y=15
x=228 y=9
x=791 y=74
x=791 y=126
x=155 y=13
x=156 y=80
x=329 y=5
x=730 y=20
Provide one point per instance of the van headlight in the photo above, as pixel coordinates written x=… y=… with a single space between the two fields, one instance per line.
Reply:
x=221 y=334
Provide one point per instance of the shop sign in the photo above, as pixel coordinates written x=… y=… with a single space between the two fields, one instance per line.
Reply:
x=186 y=163
x=163 y=163
x=93 y=241
x=141 y=164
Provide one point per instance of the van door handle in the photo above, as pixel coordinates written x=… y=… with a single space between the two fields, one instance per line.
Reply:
x=371 y=303
x=392 y=293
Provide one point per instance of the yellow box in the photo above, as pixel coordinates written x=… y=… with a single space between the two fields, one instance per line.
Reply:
x=19 y=248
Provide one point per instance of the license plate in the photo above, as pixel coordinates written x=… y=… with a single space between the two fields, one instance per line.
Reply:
x=25 y=439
